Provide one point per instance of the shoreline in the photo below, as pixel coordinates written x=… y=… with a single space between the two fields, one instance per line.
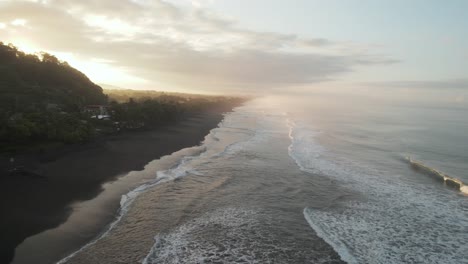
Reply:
x=34 y=205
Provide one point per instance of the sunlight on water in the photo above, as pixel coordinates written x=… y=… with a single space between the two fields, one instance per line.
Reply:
x=402 y=216
x=338 y=173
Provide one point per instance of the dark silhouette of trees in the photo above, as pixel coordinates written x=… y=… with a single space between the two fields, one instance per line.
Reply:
x=43 y=99
x=31 y=81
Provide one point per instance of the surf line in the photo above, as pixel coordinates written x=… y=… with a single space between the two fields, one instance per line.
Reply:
x=448 y=180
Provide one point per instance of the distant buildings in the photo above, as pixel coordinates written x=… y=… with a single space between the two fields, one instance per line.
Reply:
x=100 y=112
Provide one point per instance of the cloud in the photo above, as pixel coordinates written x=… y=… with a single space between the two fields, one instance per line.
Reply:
x=201 y=3
x=179 y=46
x=438 y=84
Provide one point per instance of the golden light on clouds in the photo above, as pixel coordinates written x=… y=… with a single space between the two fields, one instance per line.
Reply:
x=25 y=46
x=153 y=44
x=19 y=22
x=113 y=26
x=98 y=70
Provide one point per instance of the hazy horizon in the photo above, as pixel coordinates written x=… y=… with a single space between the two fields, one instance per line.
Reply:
x=341 y=135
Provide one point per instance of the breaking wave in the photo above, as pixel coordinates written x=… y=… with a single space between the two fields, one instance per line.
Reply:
x=389 y=220
x=179 y=170
x=190 y=158
x=220 y=236
x=438 y=175
x=337 y=245
x=234 y=235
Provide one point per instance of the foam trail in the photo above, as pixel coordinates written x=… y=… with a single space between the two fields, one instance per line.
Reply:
x=338 y=246
x=128 y=198
x=450 y=181
x=177 y=171
x=297 y=140
x=390 y=220
x=221 y=236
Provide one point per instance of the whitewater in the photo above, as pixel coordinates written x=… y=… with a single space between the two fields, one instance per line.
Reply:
x=281 y=182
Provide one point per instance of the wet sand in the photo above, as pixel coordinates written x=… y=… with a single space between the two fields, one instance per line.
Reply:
x=31 y=205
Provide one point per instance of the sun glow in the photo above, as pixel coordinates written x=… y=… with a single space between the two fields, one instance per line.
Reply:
x=19 y=22
x=25 y=46
x=98 y=70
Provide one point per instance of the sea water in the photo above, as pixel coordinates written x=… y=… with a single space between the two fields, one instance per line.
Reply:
x=302 y=181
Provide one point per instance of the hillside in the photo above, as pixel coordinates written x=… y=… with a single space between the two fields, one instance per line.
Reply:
x=29 y=82
x=45 y=101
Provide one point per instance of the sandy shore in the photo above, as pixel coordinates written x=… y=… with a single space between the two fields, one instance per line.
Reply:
x=32 y=205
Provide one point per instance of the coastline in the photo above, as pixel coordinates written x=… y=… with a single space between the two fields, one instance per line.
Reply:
x=33 y=205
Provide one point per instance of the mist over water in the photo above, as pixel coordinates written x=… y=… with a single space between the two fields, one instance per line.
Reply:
x=403 y=214
x=317 y=179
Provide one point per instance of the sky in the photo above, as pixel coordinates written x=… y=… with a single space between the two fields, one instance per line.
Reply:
x=249 y=46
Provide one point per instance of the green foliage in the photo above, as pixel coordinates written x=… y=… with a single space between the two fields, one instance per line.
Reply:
x=46 y=126
x=42 y=100
x=140 y=109
x=150 y=112
x=31 y=82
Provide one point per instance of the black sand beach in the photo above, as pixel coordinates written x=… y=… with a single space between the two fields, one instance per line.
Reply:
x=30 y=204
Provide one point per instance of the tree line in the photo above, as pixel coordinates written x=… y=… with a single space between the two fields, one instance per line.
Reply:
x=42 y=100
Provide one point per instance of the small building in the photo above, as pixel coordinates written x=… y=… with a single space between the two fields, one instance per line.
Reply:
x=100 y=112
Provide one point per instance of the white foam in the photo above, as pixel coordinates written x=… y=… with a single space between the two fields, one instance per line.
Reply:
x=233 y=235
x=303 y=145
x=193 y=242
x=396 y=222
x=127 y=199
x=241 y=122
x=256 y=128
x=464 y=189
x=337 y=245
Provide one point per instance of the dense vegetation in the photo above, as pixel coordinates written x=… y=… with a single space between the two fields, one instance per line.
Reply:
x=30 y=82
x=142 y=111
x=43 y=100
x=123 y=95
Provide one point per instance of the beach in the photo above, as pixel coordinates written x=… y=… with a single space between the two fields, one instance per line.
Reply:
x=271 y=184
x=33 y=204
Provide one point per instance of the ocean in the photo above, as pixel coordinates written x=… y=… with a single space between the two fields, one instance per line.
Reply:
x=315 y=179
